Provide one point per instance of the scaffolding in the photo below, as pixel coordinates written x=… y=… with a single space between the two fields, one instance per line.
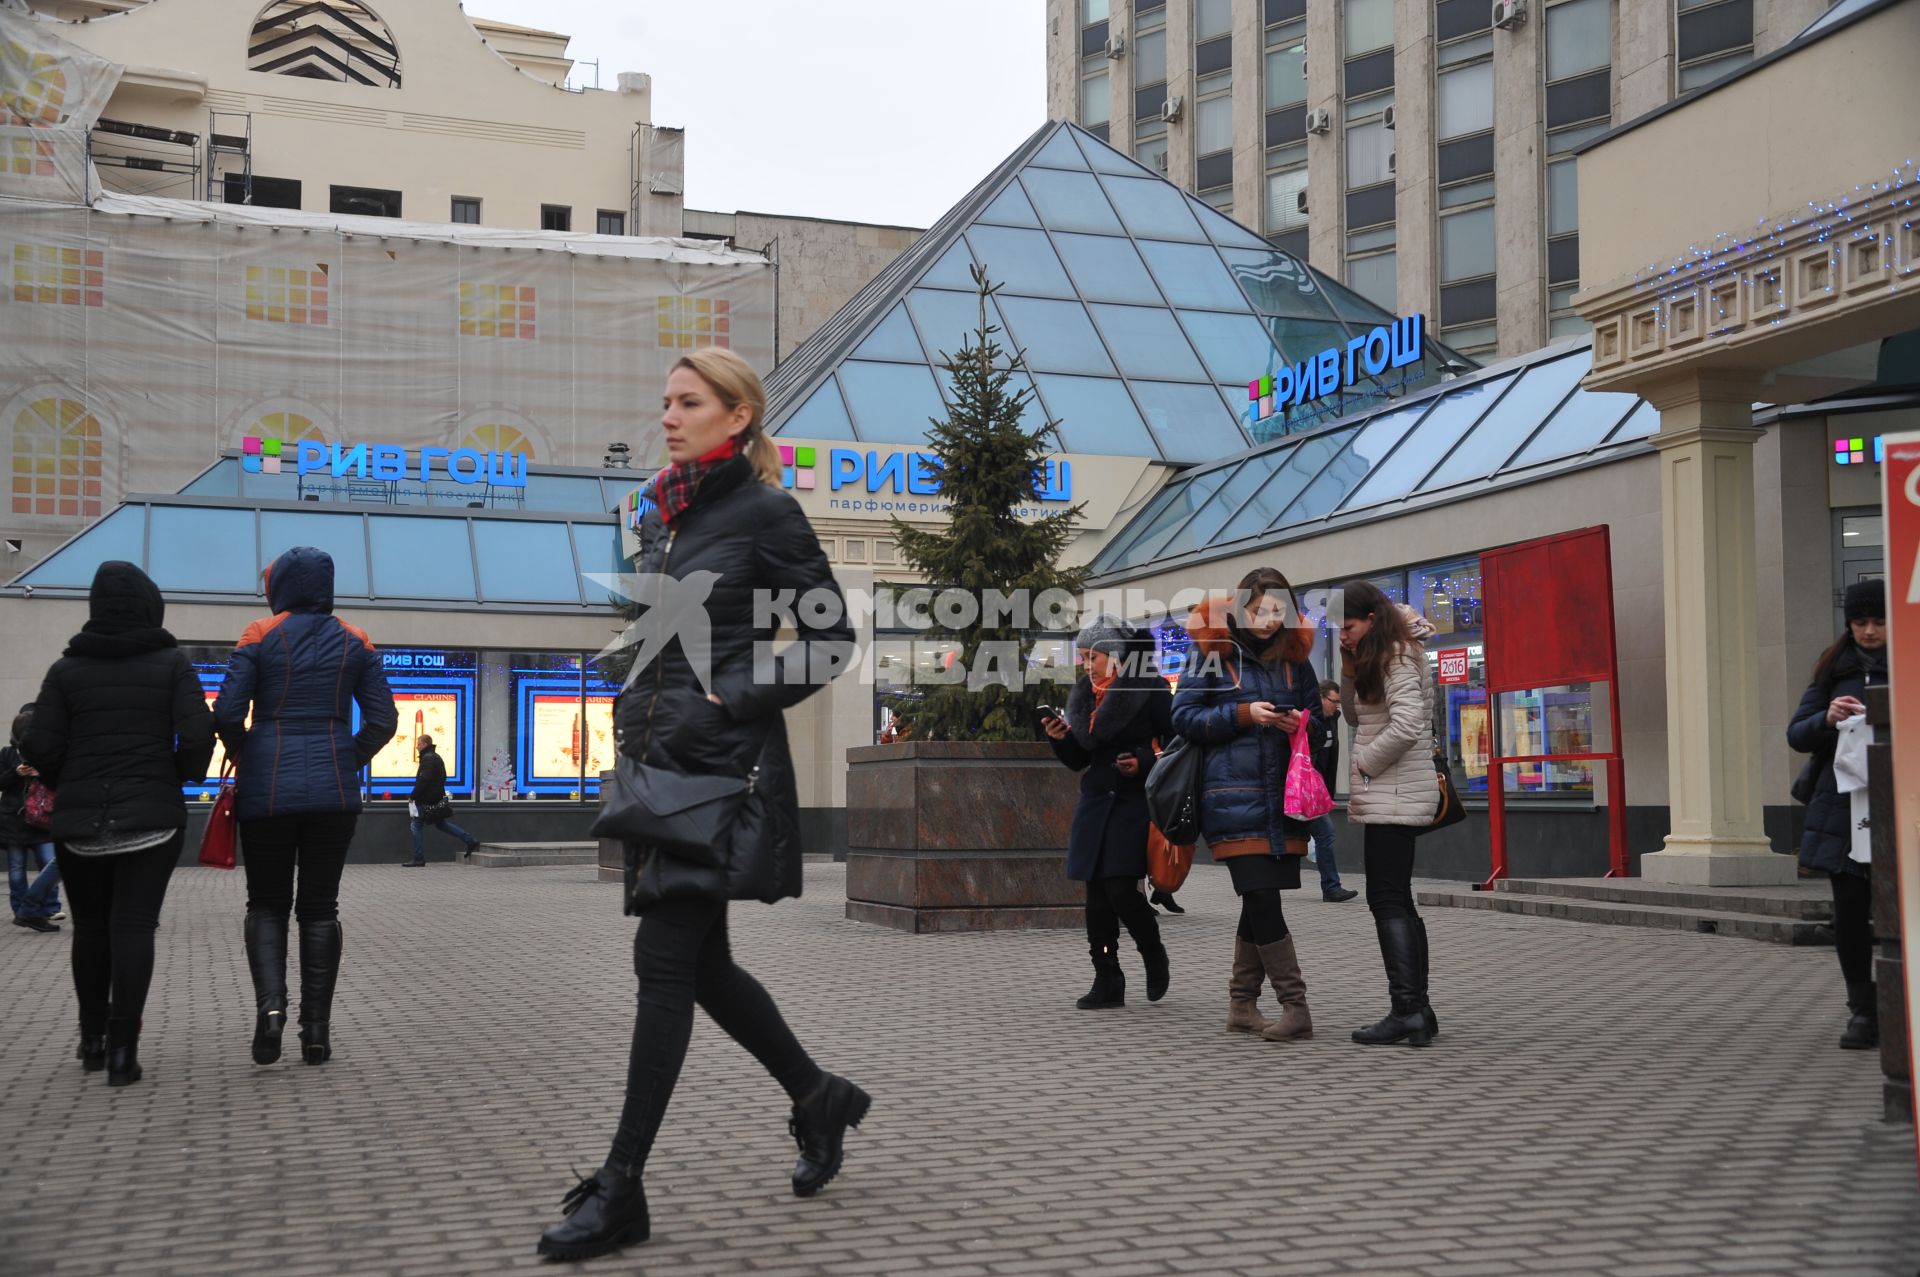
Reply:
x=173 y=156
x=229 y=155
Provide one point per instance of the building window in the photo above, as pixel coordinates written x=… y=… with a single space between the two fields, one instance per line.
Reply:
x=1092 y=11
x=1093 y=92
x=556 y=217
x=1711 y=39
x=332 y=40
x=1150 y=144
x=364 y=201
x=466 y=212
x=1373 y=278
x=1212 y=18
x=1463 y=101
x=1368 y=147
x=1561 y=319
x=1578 y=63
x=1213 y=133
x=609 y=222
x=267 y=192
x=1368 y=25
x=1467 y=294
x=1285 y=187
x=1286 y=69
x=1149 y=64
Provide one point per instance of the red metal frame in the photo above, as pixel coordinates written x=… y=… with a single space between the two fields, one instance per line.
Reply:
x=1496 y=762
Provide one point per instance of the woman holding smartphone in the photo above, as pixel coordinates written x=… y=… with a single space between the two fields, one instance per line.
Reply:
x=1114 y=714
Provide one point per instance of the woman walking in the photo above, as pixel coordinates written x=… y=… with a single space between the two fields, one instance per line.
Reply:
x=120 y=725
x=718 y=513
x=299 y=673
x=1248 y=690
x=1392 y=791
x=1856 y=661
x=1114 y=713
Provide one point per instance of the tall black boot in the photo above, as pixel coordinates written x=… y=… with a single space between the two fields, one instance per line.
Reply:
x=1420 y=978
x=1863 y=1024
x=123 y=1052
x=1109 y=982
x=266 y=935
x=93 y=1039
x=320 y=944
x=1399 y=947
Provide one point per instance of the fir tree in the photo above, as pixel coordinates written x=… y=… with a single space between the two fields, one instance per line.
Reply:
x=989 y=463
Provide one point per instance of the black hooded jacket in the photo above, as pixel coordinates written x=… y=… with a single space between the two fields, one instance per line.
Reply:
x=121 y=722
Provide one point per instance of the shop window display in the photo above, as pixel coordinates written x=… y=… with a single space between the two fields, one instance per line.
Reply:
x=434 y=692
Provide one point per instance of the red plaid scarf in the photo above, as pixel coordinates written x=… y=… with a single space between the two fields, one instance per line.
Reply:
x=673 y=488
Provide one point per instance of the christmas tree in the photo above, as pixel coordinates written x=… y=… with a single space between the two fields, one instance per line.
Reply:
x=990 y=464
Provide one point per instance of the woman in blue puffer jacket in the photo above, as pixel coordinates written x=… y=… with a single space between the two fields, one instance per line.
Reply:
x=1248 y=689
x=299 y=673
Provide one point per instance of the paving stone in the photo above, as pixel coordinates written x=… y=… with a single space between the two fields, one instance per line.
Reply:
x=1602 y=1100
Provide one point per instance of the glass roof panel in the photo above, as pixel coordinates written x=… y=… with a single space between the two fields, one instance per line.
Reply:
x=1580 y=425
x=1011 y=209
x=951 y=270
x=191 y=549
x=1060 y=152
x=822 y=416
x=1451 y=417
x=525 y=562
x=1097 y=416
x=1056 y=336
x=1106 y=159
x=422 y=558
x=1351 y=306
x=1070 y=201
x=1278 y=283
x=1198 y=531
x=1190 y=423
x=1501 y=432
x=1300 y=339
x=1020 y=260
x=950 y=321
x=1348 y=467
x=892 y=338
x=562 y=494
x=1223 y=230
x=1236 y=347
x=1191 y=275
x=1644 y=421
x=1191 y=495
x=1107 y=269
x=1152 y=207
x=121 y=535
x=342 y=536
x=1289 y=470
x=222 y=480
x=1138 y=523
x=1147 y=342
x=890 y=403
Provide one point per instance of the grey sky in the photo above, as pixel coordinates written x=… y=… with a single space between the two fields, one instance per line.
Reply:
x=865 y=110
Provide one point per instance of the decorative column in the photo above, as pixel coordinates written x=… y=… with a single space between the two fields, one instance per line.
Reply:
x=1715 y=782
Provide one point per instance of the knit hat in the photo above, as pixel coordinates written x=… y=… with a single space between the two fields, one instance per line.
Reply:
x=1866 y=600
x=1105 y=633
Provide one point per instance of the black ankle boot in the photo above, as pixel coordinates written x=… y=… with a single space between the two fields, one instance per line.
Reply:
x=605 y=1211
x=93 y=1041
x=1109 y=982
x=123 y=1052
x=1165 y=900
x=266 y=937
x=1399 y=954
x=819 y=1126
x=1159 y=969
x=1863 y=1024
x=320 y=944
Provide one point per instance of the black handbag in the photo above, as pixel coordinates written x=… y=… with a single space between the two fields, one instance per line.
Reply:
x=438 y=810
x=1173 y=790
x=684 y=815
x=1451 y=811
x=1809 y=777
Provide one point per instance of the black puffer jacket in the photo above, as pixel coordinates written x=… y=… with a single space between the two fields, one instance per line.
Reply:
x=430 y=781
x=1829 y=830
x=737 y=537
x=1108 y=838
x=121 y=722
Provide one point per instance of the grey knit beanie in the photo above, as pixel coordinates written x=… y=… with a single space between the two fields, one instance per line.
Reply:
x=1105 y=633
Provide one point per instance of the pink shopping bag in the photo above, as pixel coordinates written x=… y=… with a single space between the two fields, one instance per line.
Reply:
x=1307 y=797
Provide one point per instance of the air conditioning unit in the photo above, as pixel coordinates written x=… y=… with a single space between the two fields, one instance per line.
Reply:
x=1116 y=46
x=1160 y=161
x=1319 y=121
x=1508 y=14
x=1170 y=110
x=1300 y=203
x=1393 y=158
x=1387 y=119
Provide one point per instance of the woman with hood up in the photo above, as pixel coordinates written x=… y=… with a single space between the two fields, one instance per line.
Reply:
x=121 y=724
x=1248 y=688
x=1114 y=713
x=299 y=672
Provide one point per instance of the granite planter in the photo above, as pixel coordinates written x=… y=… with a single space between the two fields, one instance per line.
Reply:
x=960 y=836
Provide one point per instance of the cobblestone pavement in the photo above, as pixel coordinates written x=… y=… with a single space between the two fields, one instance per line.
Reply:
x=1603 y=1100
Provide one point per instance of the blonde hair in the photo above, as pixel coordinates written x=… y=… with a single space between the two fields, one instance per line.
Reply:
x=735 y=381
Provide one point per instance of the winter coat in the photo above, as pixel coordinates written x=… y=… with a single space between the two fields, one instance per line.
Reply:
x=1392 y=779
x=1244 y=776
x=121 y=723
x=1109 y=834
x=302 y=670
x=738 y=536
x=14 y=830
x=430 y=781
x=1829 y=829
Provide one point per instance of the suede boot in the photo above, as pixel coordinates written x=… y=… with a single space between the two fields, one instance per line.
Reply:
x=605 y=1211
x=1109 y=982
x=320 y=944
x=1243 y=990
x=1420 y=977
x=123 y=1052
x=93 y=1039
x=1399 y=950
x=1282 y=967
x=266 y=936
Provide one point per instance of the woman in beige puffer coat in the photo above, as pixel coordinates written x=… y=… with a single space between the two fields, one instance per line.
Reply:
x=1393 y=792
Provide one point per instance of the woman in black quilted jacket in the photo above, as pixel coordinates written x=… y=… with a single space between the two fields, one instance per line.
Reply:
x=120 y=725
x=719 y=532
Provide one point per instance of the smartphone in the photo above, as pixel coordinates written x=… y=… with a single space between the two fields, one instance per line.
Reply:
x=1048 y=711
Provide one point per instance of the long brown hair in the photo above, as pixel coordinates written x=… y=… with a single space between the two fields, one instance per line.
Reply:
x=1293 y=641
x=1388 y=637
x=735 y=381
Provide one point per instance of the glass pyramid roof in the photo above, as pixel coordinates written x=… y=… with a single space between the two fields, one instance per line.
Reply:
x=1143 y=314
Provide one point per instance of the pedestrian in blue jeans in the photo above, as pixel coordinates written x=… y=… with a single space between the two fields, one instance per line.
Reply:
x=428 y=805
x=1326 y=758
x=33 y=879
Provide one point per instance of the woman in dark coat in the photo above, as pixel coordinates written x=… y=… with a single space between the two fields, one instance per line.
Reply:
x=719 y=533
x=1115 y=712
x=1841 y=677
x=1247 y=689
x=299 y=673
x=120 y=725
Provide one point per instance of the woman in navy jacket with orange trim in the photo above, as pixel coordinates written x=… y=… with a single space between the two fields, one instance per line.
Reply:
x=300 y=672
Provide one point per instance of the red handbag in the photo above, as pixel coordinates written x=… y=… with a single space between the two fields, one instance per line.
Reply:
x=218 y=844
x=1167 y=862
x=38 y=809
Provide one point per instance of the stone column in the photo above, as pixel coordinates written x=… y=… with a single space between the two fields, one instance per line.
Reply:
x=1709 y=576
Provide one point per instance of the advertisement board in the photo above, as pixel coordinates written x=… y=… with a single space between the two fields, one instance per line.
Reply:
x=1900 y=502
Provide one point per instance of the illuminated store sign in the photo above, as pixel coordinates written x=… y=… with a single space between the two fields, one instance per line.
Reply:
x=915 y=473
x=1853 y=452
x=1338 y=368
x=383 y=461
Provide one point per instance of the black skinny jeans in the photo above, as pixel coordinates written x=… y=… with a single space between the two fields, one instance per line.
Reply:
x=115 y=902
x=315 y=845
x=682 y=956
x=1262 y=920
x=1112 y=902
x=1387 y=851
x=1853 y=938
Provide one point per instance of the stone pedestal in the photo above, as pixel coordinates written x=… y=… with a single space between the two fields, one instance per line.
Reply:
x=959 y=836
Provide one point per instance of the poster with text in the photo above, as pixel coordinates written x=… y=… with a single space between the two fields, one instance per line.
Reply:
x=599 y=737
x=559 y=737
x=422 y=713
x=1900 y=502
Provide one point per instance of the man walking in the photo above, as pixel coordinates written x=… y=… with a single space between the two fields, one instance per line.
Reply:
x=1325 y=729
x=428 y=804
